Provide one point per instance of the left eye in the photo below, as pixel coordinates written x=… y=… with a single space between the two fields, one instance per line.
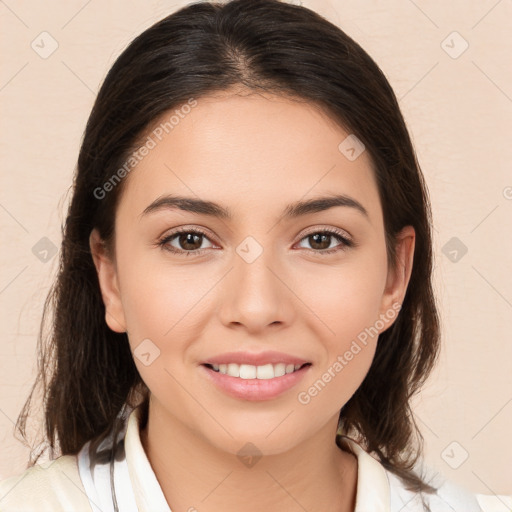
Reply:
x=320 y=238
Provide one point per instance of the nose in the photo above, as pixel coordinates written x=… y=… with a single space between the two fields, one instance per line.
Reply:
x=257 y=291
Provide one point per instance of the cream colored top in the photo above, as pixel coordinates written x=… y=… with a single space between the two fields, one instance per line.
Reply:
x=67 y=484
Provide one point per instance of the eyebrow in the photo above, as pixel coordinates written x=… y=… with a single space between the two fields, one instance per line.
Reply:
x=293 y=210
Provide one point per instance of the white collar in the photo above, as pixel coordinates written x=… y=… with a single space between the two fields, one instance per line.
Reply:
x=148 y=493
x=372 y=482
x=137 y=488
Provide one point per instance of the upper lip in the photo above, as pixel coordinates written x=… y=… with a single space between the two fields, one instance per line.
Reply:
x=255 y=359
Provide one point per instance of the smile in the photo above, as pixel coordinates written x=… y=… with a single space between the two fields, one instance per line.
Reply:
x=251 y=382
x=249 y=371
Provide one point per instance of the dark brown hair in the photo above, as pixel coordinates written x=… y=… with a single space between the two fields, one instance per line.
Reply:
x=86 y=370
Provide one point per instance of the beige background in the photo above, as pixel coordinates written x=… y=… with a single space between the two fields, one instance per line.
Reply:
x=458 y=106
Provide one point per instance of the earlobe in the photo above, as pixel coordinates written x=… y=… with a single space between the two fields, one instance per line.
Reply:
x=398 y=277
x=107 y=277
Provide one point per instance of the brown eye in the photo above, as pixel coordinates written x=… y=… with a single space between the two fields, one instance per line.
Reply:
x=186 y=241
x=320 y=241
x=189 y=241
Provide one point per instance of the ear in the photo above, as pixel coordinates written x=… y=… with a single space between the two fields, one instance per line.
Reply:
x=107 y=276
x=398 y=278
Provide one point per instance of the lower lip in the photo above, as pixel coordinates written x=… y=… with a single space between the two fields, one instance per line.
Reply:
x=255 y=389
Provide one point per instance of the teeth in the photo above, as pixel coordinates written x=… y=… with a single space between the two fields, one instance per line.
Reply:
x=248 y=371
x=234 y=371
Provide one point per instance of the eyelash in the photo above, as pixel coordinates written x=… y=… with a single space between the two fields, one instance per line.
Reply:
x=346 y=243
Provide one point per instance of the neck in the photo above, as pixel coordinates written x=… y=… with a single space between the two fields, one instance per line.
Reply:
x=194 y=474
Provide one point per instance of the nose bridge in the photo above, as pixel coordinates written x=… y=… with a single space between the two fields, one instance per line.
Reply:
x=256 y=296
x=253 y=264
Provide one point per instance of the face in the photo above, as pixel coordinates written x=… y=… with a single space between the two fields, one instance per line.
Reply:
x=313 y=284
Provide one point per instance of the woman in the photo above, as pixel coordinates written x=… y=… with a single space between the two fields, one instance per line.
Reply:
x=244 y=306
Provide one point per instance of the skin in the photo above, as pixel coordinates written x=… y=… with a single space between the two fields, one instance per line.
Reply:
x=253 y=154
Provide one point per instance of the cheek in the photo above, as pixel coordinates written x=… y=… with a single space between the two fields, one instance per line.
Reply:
x=332 y=383
x=156 y=292
x=161 y=304
x=158 y=314
x=345 y=313
x=347 y=298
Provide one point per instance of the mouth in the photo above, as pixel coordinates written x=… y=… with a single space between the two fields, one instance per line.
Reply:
x=255 y=383
x=261 y=372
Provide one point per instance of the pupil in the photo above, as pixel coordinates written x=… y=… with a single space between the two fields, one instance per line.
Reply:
x=188 y=239
x=322 y=236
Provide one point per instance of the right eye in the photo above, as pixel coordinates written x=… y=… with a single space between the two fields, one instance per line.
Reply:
x=187 y=238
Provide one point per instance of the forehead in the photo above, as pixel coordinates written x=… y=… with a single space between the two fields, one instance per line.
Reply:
x=246 y=152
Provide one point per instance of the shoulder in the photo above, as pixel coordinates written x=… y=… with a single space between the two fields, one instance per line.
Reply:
x=450 y=497
x=51 y=486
